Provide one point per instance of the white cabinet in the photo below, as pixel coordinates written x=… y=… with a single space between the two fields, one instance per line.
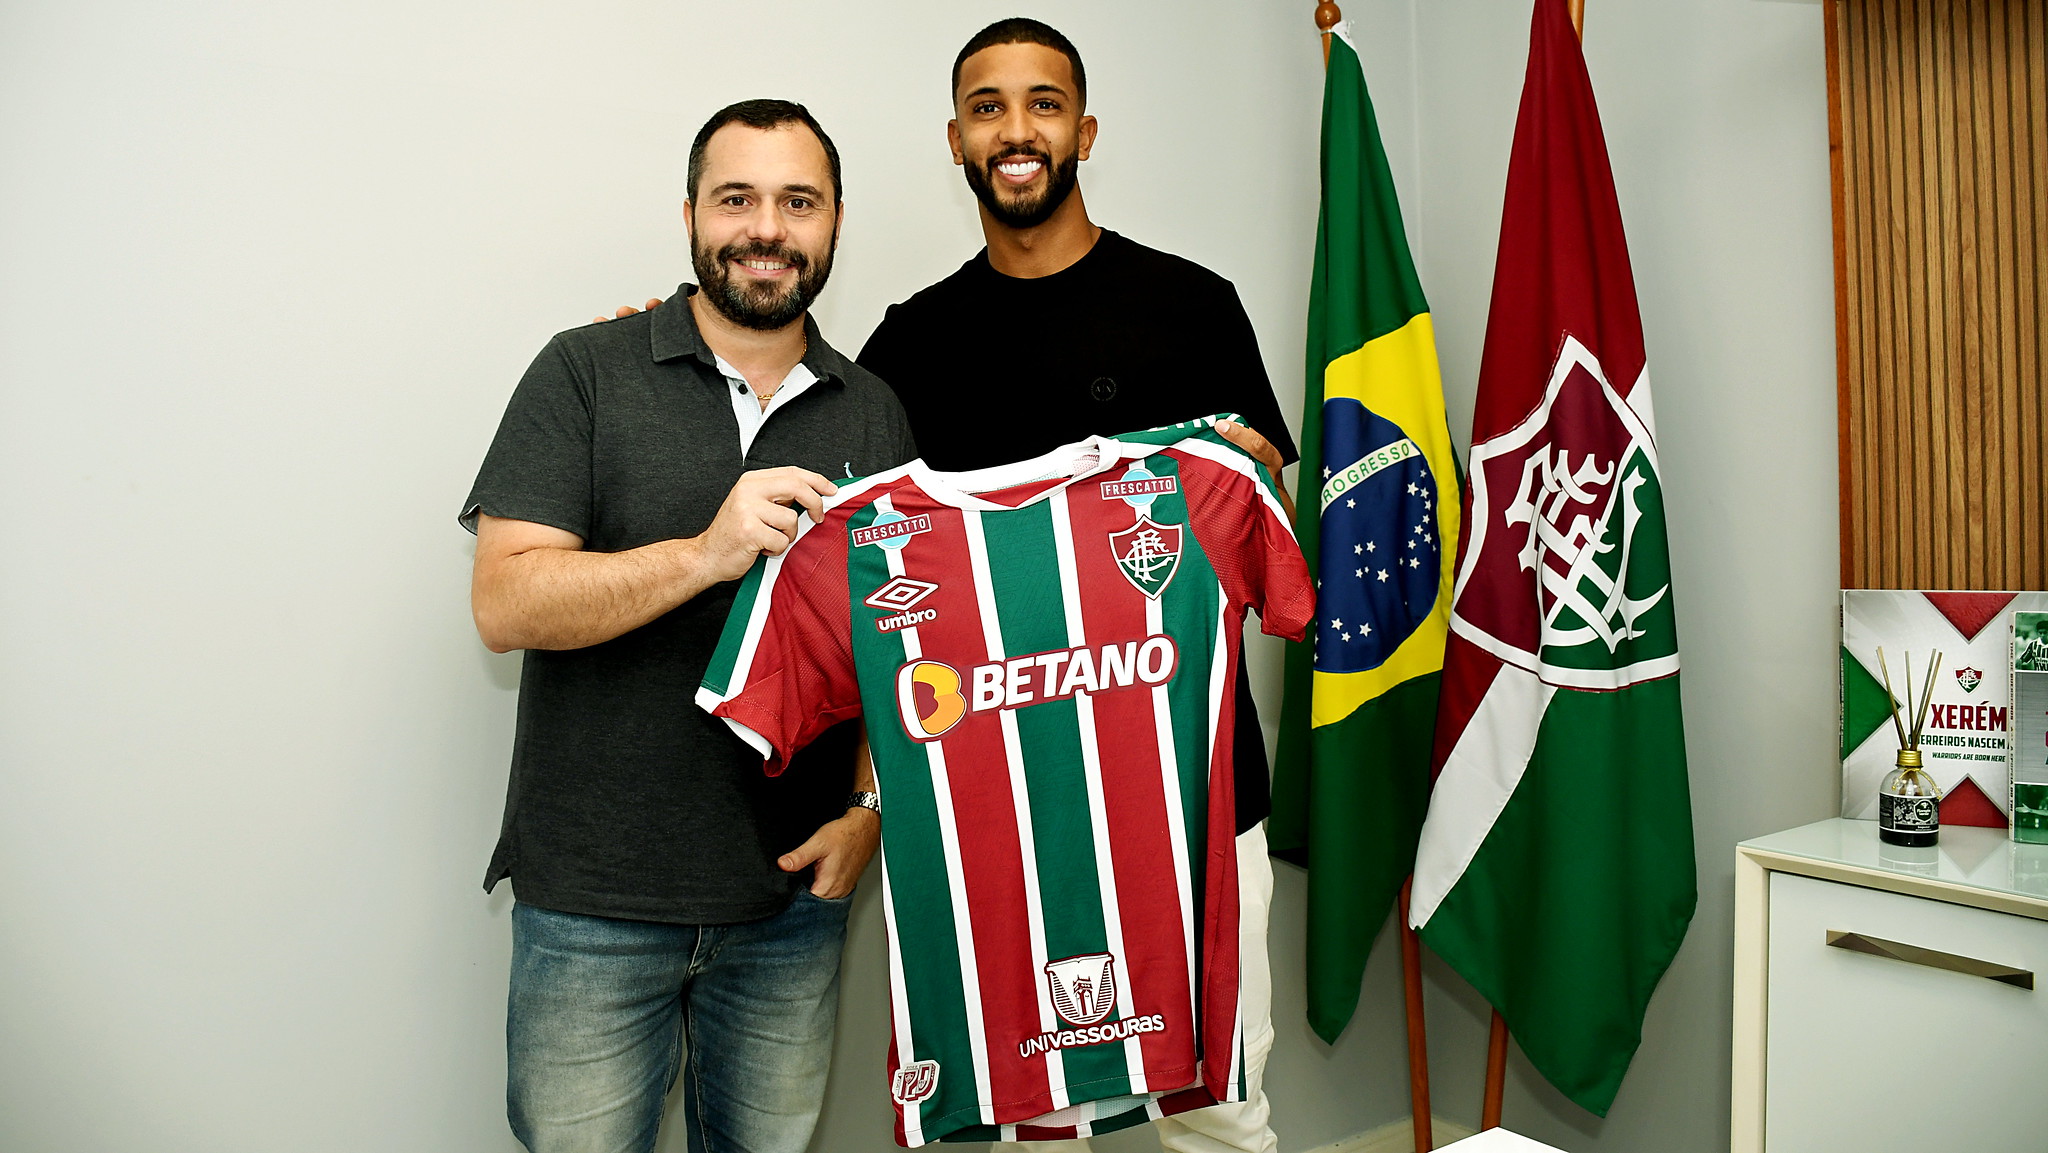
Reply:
x=1890 y=999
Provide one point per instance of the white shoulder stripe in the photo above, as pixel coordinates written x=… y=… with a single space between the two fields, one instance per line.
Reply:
x=1479 y=776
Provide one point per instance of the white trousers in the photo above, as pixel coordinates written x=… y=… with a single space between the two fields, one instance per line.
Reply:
x=1241 y=1126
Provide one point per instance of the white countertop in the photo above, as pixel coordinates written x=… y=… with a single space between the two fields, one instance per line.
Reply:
x=1965 y=856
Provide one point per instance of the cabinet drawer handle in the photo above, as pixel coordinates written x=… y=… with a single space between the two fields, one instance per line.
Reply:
x=1932 y=958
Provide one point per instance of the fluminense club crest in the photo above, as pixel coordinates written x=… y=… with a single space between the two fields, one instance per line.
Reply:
x=1969 y=679
x=1568 y=505
x=1082 y=989
x=914 y=1082
x=1148 y=554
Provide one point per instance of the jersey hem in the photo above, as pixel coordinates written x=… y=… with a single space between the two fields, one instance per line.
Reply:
x=1194 y=1094
x=1183 y=1077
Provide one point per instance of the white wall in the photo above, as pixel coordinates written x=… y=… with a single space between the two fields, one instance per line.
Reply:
x=268 y=272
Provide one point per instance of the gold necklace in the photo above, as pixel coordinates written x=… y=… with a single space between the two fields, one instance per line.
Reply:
x=765 y=397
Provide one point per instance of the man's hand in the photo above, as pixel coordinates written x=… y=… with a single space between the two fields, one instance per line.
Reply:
x=840 y=849
x=760 y=516
x=626 y=310
x=1262 y=450
x=534 y=587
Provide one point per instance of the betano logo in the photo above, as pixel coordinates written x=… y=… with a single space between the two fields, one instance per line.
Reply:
x=930 y=699
x=947 y=705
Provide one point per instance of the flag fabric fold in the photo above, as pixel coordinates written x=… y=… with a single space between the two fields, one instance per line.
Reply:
x=1555 y=870
x=1378 y=503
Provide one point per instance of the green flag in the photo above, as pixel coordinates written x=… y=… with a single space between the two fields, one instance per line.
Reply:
x=1377 y=515
x=1555 y=872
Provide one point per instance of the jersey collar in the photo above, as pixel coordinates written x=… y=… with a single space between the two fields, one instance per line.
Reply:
x=1072 y=462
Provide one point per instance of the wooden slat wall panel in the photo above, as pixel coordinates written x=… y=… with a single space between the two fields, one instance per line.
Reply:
x=1939 y=133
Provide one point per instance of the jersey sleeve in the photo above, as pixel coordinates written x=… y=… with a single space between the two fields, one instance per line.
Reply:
x=1235 y=511
x=783 y=671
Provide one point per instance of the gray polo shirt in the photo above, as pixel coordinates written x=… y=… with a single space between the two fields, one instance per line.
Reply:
x=626 y=800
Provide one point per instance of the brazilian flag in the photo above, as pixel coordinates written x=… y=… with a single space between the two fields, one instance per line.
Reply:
x=1377 y=515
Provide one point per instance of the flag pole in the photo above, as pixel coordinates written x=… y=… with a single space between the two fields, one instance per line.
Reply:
x=1497 y=1030
x=1418 y=1040
x=1327 y=17
x=1496 y=1072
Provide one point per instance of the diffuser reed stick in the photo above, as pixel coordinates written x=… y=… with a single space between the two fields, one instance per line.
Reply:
x=1891 y=699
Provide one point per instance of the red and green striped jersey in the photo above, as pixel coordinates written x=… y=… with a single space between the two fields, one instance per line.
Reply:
x=1046 y=655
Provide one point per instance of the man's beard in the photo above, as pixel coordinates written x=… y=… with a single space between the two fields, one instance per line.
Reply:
x=758 y=305
x=1033 y=211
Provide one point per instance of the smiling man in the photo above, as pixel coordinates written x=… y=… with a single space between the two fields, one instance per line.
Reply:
x=675 y=906
x=1075 y=330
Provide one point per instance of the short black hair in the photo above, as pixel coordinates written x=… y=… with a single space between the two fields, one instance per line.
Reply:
x=1024 y=30
x=762 y=114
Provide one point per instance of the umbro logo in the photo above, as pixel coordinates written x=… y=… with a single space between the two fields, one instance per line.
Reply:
x=899 y=594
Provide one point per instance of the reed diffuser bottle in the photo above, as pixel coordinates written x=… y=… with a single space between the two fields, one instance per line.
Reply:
x=1909 y=802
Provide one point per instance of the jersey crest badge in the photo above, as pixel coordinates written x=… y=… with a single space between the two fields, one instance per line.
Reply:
x=1083 y=989
x=1148 y=554
x=914 y=1082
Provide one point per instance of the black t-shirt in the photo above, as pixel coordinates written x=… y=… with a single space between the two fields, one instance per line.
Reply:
x=993 y=369
x=626 y=799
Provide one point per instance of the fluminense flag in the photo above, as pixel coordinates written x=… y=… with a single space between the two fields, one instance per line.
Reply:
x=1378 y=505
x=1556 y=867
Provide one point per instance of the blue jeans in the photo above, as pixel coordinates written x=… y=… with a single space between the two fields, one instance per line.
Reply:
x=601 y=1011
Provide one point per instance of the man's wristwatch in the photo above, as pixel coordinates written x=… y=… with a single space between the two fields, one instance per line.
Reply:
x=866 y=800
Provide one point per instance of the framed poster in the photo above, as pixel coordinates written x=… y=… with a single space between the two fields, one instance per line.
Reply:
x=1967 y=741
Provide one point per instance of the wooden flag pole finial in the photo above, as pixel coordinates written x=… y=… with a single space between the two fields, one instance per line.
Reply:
x=1327 y=16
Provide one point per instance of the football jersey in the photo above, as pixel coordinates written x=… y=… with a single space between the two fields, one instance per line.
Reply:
x=1046 y=655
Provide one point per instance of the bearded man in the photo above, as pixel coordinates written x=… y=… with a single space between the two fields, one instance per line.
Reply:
x=675 y=907
x=1077 y=330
